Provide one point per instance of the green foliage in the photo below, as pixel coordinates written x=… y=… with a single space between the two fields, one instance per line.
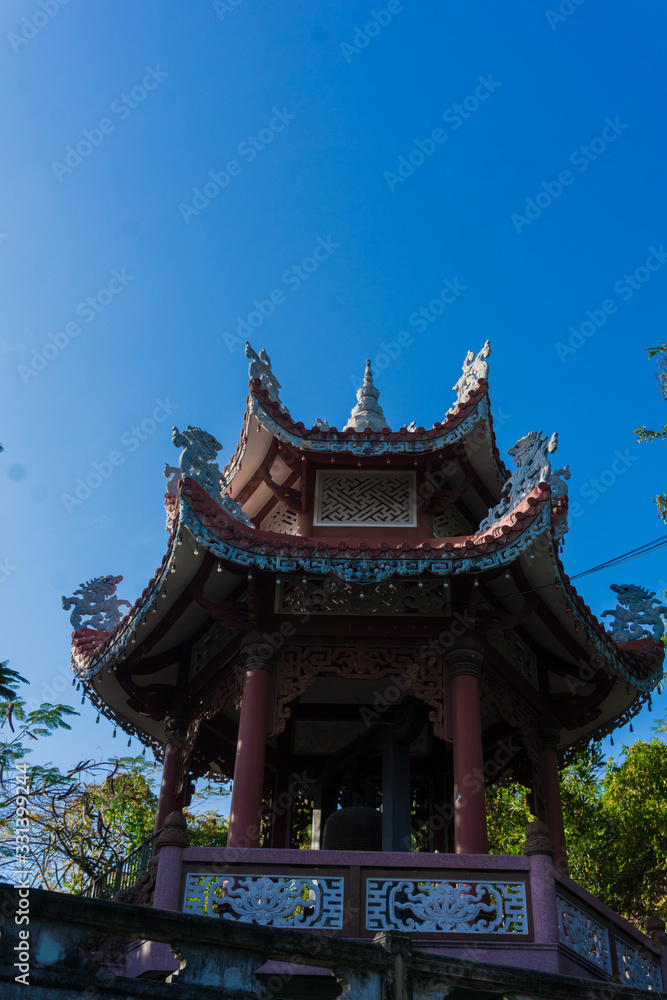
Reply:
x=85 y=820
x=508 y=815
x=207 y=829
x=9 y=680
x=615 y=826
x=589 y=832
x=635 y=799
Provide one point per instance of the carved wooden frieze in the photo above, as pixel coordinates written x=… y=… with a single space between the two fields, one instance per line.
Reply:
x=299 y=666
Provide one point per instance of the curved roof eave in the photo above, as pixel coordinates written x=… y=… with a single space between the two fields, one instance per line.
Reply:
x=267 y=414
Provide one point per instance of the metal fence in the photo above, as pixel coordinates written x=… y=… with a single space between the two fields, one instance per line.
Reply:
x=125 y=874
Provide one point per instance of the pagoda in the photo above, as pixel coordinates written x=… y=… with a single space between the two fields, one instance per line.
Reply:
x=364 y=629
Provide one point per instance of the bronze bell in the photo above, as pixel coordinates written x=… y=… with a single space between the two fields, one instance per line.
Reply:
x=353 y=828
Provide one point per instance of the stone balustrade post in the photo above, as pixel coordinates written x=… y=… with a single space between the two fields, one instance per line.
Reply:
x=540 y=851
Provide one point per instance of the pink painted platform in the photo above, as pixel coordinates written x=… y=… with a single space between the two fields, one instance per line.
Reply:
x=532 y=916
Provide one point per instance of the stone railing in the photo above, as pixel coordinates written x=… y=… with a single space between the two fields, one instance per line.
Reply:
x=217 y=958
x=490 y=907
x=432 y=902
x=590 y=931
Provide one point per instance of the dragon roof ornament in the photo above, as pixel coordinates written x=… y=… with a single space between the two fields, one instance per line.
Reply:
x=260 y=368
x=531 y=458
x=367 y=412
x=198 y=461
x=475 y=368
x=97 y=601
x=635 y=612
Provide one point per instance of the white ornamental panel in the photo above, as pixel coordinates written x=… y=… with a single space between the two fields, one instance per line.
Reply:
x=583 y=934
x=281 y=519
x=383 y=499
x=446 y=907
x=637 y=968
x=276 y=900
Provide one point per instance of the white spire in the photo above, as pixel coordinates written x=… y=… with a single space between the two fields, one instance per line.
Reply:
x=367 y=412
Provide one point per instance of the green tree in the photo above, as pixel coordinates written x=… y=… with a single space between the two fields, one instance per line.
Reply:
x=85 y=820
x=615 y=825
x=508 y=815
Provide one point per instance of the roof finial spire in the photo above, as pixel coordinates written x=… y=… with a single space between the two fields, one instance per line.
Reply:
x=367 y=412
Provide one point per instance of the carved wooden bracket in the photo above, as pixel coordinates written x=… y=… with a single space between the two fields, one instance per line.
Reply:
x=442 y=499
x=492 y=624
x=289 y=496
x=231 y=614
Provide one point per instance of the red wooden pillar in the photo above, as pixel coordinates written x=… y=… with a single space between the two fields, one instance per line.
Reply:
x=246 y=808
x=172 y=788
x=464 y=665
x=553 y=803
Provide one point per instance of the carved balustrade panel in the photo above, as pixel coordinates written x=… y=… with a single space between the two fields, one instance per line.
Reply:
x=453 y=907
x=276 y=900
x=637 y=968
x=583 y=934
x=299 y=666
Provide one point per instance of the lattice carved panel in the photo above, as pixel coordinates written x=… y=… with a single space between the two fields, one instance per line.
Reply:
x=403 y=597
x=281 y=519
x=383 y=499
x=451 y=524
x=426 y=905
x=269 y=900
x=583 y=934
x=208 y=647
x=299 y=666
x=637 y=968
x=229 y=686
x=522 y=659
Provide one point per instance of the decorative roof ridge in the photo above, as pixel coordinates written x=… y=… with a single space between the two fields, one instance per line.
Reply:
x=367 y=415
x=602 y=641
x=214 y=516
x=86 y=642
x=319 y=432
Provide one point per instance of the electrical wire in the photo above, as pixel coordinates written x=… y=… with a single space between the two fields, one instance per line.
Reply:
x=626 y=557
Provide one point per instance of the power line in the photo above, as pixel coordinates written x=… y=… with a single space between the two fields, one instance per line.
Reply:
x=626 y=557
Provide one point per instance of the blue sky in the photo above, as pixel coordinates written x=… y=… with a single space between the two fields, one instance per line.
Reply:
x=167 y=166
